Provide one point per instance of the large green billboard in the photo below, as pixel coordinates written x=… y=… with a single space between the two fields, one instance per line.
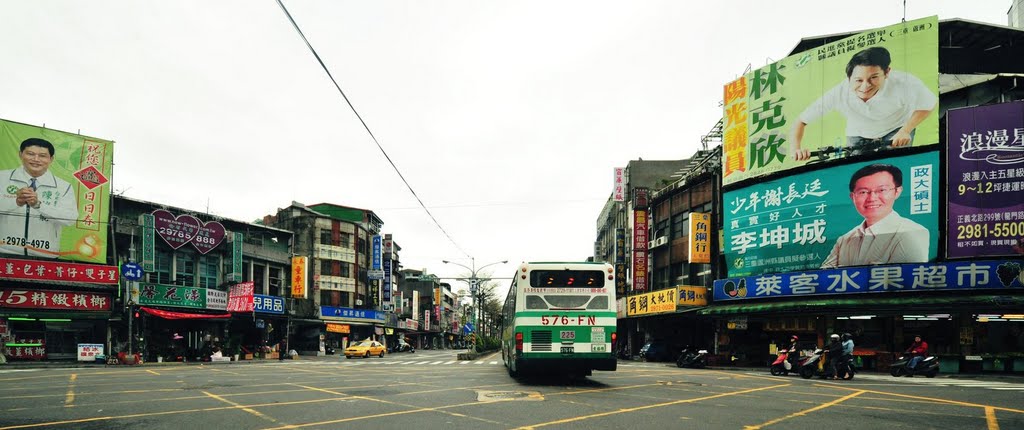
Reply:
x=874 y=90
x=860 y=214
x=56 y=193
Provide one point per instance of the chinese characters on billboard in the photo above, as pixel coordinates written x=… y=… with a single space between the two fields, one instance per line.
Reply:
x=852 y=215
x=985 y=180
x=700 y=241
x=814 y=106
x=56 y=193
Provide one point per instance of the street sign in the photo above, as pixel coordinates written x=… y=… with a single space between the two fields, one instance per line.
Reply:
x=375 y=274
x=468 y=328
x=132 y=271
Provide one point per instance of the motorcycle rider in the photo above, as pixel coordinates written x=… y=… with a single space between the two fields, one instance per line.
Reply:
x=835 y=352
x=847 y=349
x=793 y=355
x=919 y=350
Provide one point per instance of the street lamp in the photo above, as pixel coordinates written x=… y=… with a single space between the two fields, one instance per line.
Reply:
x=474 y=283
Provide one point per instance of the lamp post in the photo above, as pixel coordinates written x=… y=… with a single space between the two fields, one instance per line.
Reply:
x=474 y=284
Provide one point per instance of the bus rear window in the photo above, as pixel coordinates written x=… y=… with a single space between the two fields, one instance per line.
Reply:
x=559 y=301
x=566 y=279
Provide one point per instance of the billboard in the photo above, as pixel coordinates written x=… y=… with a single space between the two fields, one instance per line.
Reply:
x=857 y=214
x=941 y=276
x=985 y=180
x=834 y=101
x=655 y=302
x=56 y=201
x=639 y=250
x=691 y=295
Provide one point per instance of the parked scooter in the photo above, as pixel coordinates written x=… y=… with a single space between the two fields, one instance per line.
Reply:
x=782 y=365
x=928 y=367
x=692 y=357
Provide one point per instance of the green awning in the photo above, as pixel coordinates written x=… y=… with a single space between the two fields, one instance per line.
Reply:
x=876 y=304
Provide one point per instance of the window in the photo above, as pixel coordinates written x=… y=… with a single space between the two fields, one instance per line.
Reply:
x=209 y=271
x=327 y=268
x=346 y=240
x=258 y=273
x=275 y=281
x=346 y=270
x=661 y=228
x=361 y=246
x=184 y=268
x=325 y=237
x=679 y=225
x=164 y=263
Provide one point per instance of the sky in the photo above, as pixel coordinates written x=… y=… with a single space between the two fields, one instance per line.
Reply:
x=506 y=118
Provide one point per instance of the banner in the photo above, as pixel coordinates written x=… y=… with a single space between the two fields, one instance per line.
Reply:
x=834 y=101
x=639 y=250
x=814 y=220
x=299 y=277
x=655 y=302
x=620 y=261
x=692 y=295
x=56 y=193
x=985 y=180
x=241 y=297
x=949 y=276
x=700 y=240
x=25 y=298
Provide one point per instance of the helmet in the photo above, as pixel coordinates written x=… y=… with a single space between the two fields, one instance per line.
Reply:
x=847 y=336
x=795 y=337
x=834 y=336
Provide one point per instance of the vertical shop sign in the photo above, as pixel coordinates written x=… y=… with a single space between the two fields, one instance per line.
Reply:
x=148 y=242
x=700 y=241
x=620 y=261
x=236 y=258
x=619 y=190
x=386 y=287
x=377 y=250
x=299 y=277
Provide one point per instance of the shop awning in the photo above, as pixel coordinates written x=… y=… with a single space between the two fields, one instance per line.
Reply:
x=181 y=315
x=877 y=304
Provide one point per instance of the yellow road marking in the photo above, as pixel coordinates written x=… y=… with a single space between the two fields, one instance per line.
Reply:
x=598 y=390
x=640 y=408
x=740 y=375
x=150 y=371
x=930 y=399
x=69 y=399
x=805 y=411
x=244 y=408
x=990 y=418
x=415 y=408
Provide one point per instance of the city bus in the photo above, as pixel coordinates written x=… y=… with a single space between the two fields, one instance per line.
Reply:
x=560 y=317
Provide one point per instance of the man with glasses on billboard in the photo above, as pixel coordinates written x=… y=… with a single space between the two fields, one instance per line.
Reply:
x=35 y=204
x=884 y=236
x=882 y=106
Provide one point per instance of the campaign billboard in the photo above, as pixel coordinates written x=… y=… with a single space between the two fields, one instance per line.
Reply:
x=834 y=101
x=866 y=213
x=985 y=168
x=56 y=194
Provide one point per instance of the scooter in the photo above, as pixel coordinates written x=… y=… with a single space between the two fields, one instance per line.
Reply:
x=845 y=368
x=691 y=357
x=782 y=366
x=808 y=366
x=929 y=367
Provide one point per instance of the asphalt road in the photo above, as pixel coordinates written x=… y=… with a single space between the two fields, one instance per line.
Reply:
x=431 y=389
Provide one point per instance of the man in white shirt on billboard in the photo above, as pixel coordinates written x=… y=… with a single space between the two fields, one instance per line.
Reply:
x=881 y=105
x=35 y=204
x=884 y=236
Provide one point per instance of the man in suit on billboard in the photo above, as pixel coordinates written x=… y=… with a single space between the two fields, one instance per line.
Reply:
x=35 y=204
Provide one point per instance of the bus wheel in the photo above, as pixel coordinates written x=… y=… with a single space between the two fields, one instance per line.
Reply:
x=512 y=371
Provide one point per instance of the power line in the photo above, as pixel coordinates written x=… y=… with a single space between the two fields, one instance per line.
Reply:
x=349 y=102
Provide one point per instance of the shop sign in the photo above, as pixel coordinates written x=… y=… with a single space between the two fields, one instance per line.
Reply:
x=700 y=241
x=412 y=324
x=949 y=276
x=375 y=256
x=241 y=298
x=354 y=314
x=299 y=277
x=33 y=349
x=3 y=327
x=268 y=304
x=172 y=295
x=89 y=351
x=619 y=185
x=386 y=285
x=640 y=250
x=338 y=328
x=738 y=323
x=63 y=300
x=651 y=303
x=692 y=295
x=216 y=299
x=38 y=270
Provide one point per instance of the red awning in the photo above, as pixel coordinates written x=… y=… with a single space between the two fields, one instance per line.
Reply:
x=181 y=315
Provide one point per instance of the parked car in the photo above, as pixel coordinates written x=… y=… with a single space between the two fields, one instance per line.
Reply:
x=365 y=349
x=658 y=351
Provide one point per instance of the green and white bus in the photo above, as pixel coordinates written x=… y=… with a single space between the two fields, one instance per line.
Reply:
x=560 y=317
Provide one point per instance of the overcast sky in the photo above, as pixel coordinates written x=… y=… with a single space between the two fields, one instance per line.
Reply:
x=506 y=118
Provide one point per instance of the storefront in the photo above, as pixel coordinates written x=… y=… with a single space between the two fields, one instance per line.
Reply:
x=970 y=313
x=360 y=324
x=183 y=323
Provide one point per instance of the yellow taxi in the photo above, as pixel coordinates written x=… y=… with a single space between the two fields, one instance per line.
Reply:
x=365 y=348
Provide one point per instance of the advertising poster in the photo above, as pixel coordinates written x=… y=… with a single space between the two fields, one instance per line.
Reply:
x=814 y=220
x=985 y=162
x=56 y=193
x=639 y=250
x=843 y=99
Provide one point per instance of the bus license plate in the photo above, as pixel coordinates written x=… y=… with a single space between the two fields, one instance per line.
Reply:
x=599 y=348
x=567 y=350
x=567 y=335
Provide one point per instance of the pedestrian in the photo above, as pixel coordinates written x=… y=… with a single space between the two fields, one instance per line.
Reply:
x=282 y=349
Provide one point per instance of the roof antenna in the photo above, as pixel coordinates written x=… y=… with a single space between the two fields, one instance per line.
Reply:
x=904 y=11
